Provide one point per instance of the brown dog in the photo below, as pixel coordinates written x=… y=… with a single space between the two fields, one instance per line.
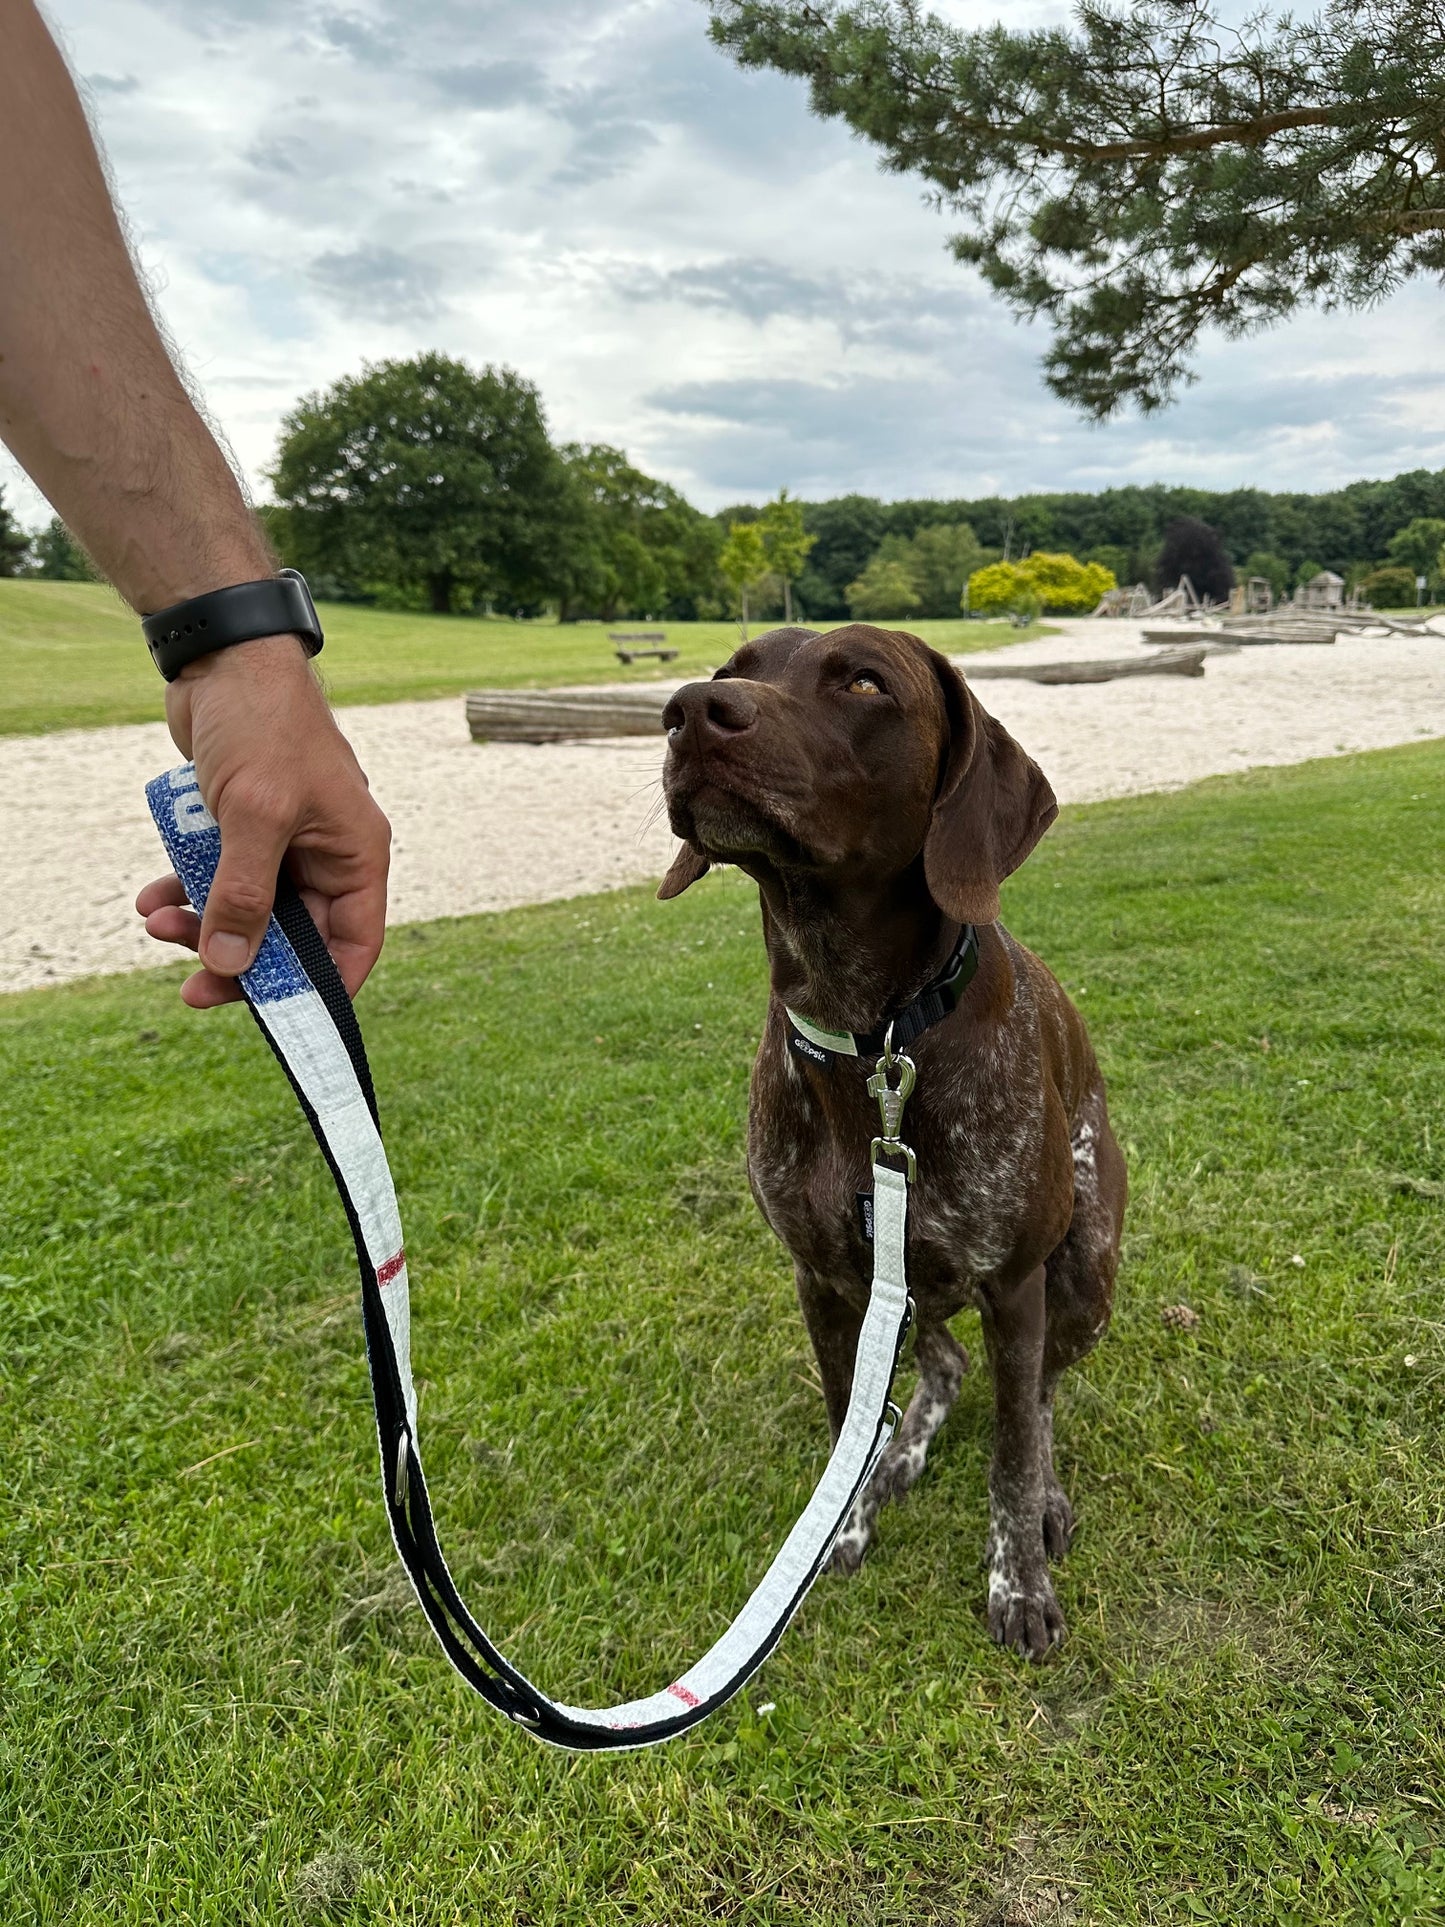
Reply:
x=858 y=781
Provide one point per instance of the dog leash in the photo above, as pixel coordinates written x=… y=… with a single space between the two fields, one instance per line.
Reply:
x=301 y=1006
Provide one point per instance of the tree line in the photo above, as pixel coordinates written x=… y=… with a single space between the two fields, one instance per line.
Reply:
x=426 y=483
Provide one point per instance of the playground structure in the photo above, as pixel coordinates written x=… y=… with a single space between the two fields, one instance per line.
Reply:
x=1323 y=594
x=1183 y=600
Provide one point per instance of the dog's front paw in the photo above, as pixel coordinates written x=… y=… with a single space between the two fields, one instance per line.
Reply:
x=849 y=1551
x=1023 y=1613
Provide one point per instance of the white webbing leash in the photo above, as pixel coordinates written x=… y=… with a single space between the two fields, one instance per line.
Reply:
x=303 y=1010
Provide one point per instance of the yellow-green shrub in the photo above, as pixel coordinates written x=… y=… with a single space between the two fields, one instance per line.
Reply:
x=1059 y=584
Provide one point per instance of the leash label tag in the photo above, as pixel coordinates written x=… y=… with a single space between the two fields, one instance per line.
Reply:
x=865 y=1215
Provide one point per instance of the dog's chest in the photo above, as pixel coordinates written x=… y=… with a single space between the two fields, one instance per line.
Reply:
x=809 y=1140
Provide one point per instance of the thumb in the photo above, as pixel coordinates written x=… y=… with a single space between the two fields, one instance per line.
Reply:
x=239 y=905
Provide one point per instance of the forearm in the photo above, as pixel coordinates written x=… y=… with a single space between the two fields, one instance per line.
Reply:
x=90 y=402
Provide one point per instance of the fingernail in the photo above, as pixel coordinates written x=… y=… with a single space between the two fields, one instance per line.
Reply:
x=227 y=952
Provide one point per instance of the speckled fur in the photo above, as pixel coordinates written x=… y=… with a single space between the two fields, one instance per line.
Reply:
x=873 y=834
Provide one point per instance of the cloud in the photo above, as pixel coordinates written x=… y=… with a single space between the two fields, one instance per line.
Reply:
x=687 y=262
x=899 y=312
x=607 y=148
x=493 y=84
x=359 y=38
x=392 y=286
x=950 y=432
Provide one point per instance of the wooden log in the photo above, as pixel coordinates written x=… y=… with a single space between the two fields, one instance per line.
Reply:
x=1300 y=638
x=1164 y=662
x=557 y=716
x=548 y=716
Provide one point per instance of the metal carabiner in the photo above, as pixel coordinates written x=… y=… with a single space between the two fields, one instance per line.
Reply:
x=891 y=1099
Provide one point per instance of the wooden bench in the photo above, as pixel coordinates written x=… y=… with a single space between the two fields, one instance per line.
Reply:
x=648 y=636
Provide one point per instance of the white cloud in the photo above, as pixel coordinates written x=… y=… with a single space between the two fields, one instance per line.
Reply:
x=687 y=262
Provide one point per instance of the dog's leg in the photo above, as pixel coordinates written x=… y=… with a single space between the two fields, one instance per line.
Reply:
x=1079 y=1294
x=833 y=1325
x=1022 y=1610
x=942 y=1362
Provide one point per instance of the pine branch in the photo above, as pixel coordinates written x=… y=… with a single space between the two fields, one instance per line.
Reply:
x=1096 y=167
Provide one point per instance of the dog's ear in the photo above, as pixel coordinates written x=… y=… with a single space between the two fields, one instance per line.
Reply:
x=992 y=805
x=687 y=866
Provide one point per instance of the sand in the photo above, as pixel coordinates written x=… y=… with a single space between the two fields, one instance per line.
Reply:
x=484 y=827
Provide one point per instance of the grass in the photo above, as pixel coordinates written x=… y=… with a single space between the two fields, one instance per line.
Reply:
x=219 y=1706
x=71 y=655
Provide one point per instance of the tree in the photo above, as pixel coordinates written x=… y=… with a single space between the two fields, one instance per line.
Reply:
x=942 y=558
x=640 y=548
x=1389 y=587
x=1060 y=583
x=886 y=589
x=59 y=557
x=1308 y=569
x=786 y=544
x=14 y=543
x=1150 y=171
x=1273 y=568
x=845 y=533
x=428 y=474
x=1114 y=557
x=742 y=563
x=1194 y=549
x=920 y=575
x=1417 y=546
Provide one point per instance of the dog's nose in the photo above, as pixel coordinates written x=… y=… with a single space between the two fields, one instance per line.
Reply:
x=710 y=712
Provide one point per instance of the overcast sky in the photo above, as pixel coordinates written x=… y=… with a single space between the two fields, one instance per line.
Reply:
x=686 y=262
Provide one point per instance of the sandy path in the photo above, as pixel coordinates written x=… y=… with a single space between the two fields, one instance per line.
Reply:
x=485 y=827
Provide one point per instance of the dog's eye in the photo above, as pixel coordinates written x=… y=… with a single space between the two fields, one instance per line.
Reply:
x=865 y=685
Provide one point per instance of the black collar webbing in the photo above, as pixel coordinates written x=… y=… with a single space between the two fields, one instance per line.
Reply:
x=932 y=1004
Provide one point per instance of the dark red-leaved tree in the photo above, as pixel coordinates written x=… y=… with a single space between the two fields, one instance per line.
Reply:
x=1194 y=549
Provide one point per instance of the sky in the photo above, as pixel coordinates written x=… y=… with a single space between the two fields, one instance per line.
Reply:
x=686 y=262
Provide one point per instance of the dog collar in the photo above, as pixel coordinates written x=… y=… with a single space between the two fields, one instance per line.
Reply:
x=932 y=1004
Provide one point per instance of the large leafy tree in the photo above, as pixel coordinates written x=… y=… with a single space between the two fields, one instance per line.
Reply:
x=886 y=589
x=845 y=532
x=923 y=575
x=1149 y=171
x=428 y=474
x=1418 y=545
x=640 y=549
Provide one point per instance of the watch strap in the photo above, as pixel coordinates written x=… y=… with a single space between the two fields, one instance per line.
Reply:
x=279 y=605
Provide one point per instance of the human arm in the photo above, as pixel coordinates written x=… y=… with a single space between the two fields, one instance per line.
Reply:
x=94 y=409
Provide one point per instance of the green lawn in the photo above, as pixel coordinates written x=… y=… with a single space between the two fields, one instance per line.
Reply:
x=71 y=655
x=219 y=1706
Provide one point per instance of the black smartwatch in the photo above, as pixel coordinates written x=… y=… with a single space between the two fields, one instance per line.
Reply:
x=279 y=606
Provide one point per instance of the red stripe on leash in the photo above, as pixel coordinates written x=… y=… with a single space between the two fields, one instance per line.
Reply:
x=685 y=1694
x=393 y=1268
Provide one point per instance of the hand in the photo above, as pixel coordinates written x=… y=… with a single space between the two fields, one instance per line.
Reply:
x=283 y=783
